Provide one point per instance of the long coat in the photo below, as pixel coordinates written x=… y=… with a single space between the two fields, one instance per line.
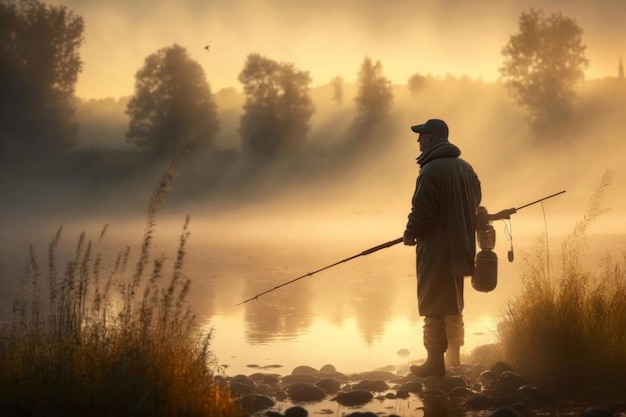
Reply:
x=443 y=219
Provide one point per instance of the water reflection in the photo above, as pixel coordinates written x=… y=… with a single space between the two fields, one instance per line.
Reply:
x=358 y=314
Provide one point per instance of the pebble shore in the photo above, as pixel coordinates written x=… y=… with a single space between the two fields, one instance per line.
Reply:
x=467 y=390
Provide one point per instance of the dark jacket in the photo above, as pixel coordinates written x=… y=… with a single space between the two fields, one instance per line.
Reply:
x=443 y=219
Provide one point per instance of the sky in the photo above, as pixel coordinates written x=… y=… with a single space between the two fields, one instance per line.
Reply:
x=328 y=38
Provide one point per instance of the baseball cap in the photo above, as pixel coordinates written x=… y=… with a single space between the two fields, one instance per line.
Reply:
x=437 y=127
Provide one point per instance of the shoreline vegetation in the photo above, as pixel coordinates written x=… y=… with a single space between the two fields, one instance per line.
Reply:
x=97 y=341
x=101 y=341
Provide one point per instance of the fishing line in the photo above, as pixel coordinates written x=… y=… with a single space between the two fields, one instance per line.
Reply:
x=545 y=225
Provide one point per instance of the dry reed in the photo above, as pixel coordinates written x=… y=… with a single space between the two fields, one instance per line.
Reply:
x=569 y=329
x=108 y=341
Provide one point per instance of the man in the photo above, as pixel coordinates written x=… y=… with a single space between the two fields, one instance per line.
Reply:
x=442 y=226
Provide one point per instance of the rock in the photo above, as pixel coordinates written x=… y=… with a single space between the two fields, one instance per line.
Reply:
x=504 y=412
x=508 y=383
x=303 y=392
x=412 y=386
x=296 y=379
x=260 y=378
x=362 y=414
x=616 y=407
x=327 y=369
x=383 y=375
x=487 y=379
x=253 y=403
x=500 y=367
x=403 y=352
x=371 y=385
x=460 y=392
x=478 y=402
x=597 y=412
x=354 y=398
x=330 y=385
x=241 y=385
x=402 y=393
x=304 y=370
x=532 y=392
x=296 y=411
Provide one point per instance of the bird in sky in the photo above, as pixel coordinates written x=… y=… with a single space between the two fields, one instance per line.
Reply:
x=207 y=47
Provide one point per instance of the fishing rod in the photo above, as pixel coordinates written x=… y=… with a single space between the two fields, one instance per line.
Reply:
x=308 y=274
x=483 y=222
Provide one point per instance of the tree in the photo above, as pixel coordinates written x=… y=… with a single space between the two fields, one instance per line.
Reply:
x=620 y=69
x=39 y=67
x=542 y=64
x=278 y=107
x=374 y=96
x=416 y=82
x=173 y=106
x=337 y=85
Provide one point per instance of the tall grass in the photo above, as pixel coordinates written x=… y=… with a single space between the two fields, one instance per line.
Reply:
x=116 y=341
x=570 y=328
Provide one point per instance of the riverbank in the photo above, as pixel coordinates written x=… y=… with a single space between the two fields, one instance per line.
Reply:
x=467 y=390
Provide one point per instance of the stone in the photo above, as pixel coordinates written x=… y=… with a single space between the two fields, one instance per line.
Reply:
x=304 y=392
x=354 y=398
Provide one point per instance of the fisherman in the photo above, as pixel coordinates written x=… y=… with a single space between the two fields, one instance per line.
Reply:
x=442 y=226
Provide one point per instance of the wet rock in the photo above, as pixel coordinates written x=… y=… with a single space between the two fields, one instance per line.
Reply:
x=261 y=378
x=295 y=379
x=402 y=394
x=478 y=402
x=505 y=412
x=411 y=386
x=383 y=375
x=354 y=398
x=296 y=411
x=508 y=383
x=371 y=385
x=241 y=385
x=487 y=379
x=532 y=392
x=303 y=392
x=330 y=385
x=403 y=352
x=253 y=403
x=433 y=392
x=327 y=369
x=597 y=412
x=304 y=370
x=616 y=407
x=460 y=392
x=337 y=375
x=500 y=367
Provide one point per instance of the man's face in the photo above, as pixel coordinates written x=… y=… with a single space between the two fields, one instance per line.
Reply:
x=424 y=140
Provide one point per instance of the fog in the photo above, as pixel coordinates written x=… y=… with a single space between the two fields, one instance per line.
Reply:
x=255 y=225
x=327 y=38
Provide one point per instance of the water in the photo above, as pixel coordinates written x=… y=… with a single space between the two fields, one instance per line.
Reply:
x=357 y=316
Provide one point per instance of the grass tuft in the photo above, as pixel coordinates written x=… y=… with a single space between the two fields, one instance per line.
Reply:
x=569 y=329
x=105 y=341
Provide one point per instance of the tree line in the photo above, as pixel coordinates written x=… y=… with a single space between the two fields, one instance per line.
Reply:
x=173 y=106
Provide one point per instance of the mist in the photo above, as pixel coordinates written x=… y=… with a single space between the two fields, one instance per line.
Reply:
x=328 y=38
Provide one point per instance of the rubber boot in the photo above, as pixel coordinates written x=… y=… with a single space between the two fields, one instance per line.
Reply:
x=434 y=365
x=453 y=355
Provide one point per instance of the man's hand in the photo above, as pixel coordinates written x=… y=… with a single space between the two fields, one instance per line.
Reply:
x=409 y=240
